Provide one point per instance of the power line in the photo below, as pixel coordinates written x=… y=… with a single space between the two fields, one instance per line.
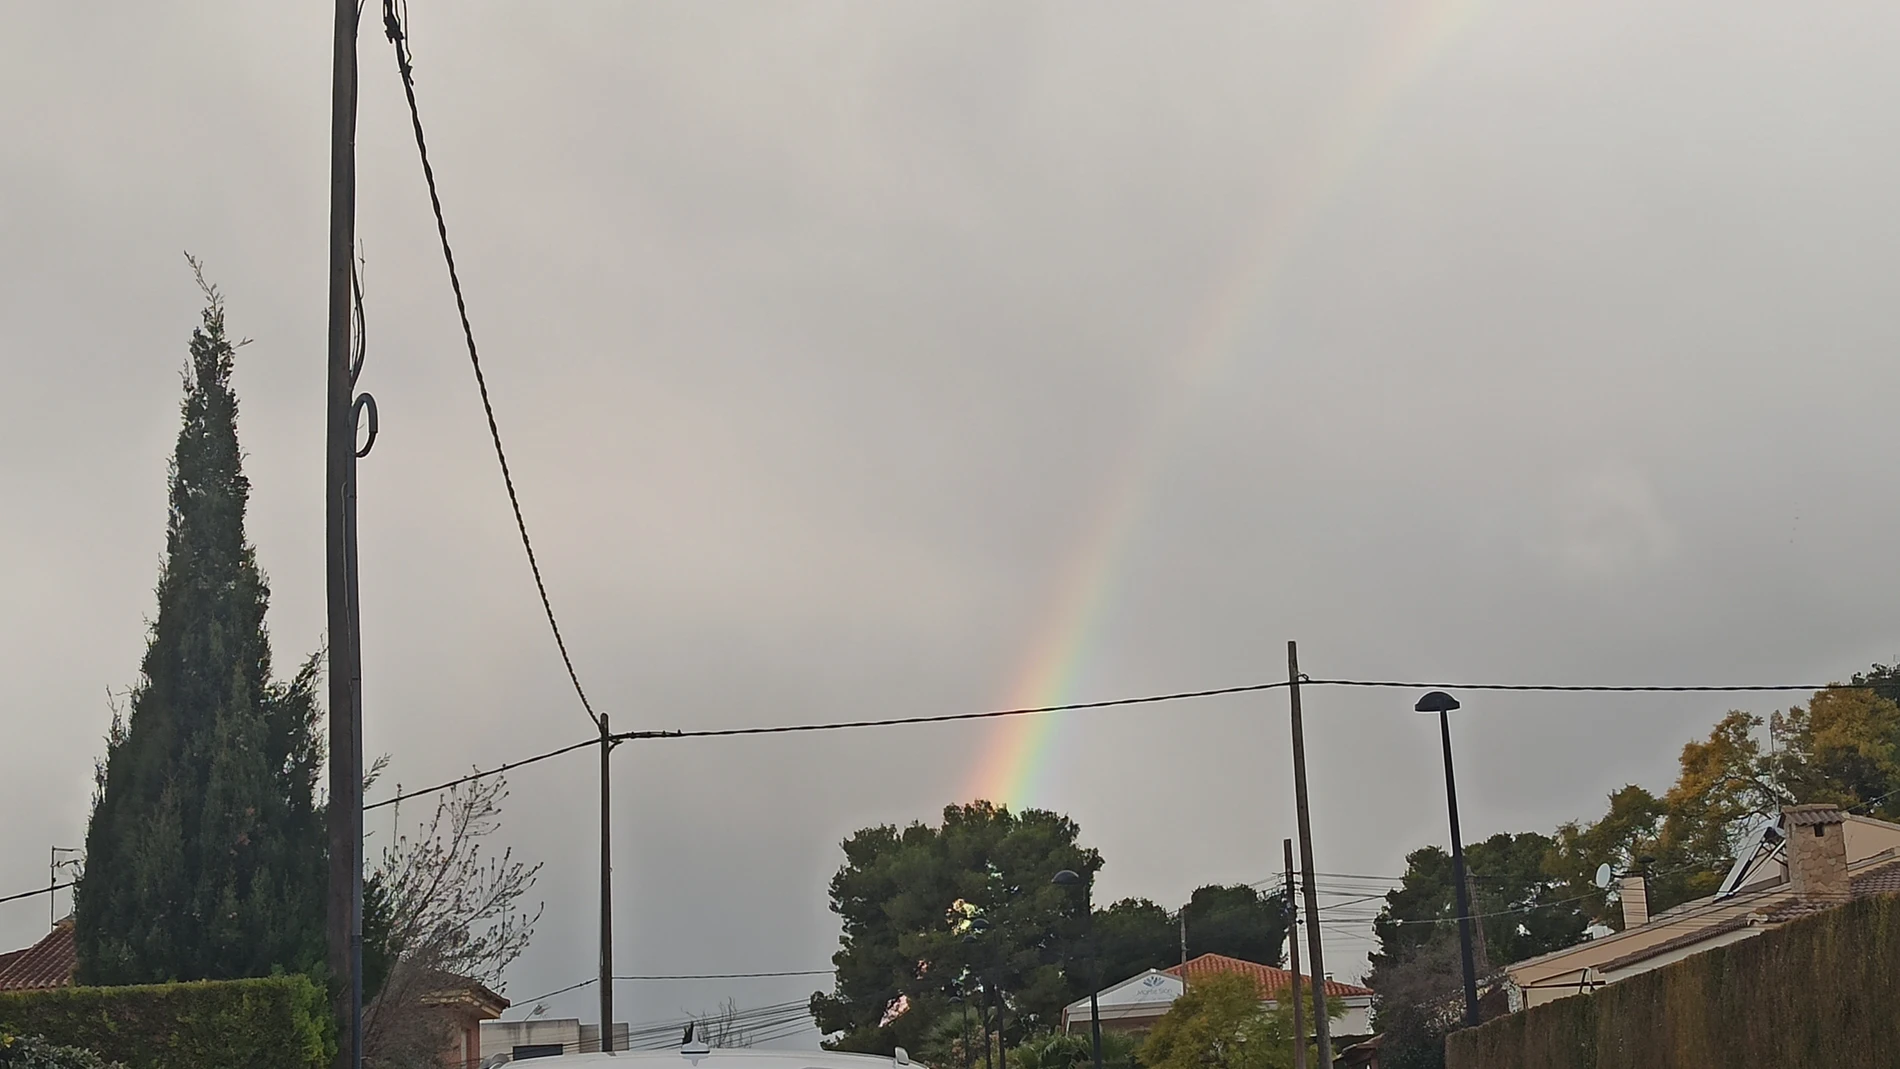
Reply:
x=1150 y=699
x=842 y=725
x=1350 y=902
x=392 y=27
x=1600 y=688
x=41 y=891
x=559 y=991
x=1873 y=801
x=679 y=976
x=480 y=774
x=728 y=975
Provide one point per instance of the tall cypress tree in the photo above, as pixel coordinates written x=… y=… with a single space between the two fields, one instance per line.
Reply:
x=205 y=857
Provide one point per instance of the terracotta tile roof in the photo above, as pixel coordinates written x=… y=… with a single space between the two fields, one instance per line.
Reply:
x=453 y=990
x=47 y=963
x=1802 y=816
x=6 y=959
x=1884 y=880
x=1271 y=980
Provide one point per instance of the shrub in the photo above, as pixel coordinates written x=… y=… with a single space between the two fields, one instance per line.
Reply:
x=32 y=1052
x=279 y=1022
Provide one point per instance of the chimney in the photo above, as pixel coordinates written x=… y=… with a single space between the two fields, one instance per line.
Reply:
x=1633 y=892
x=1817 y=852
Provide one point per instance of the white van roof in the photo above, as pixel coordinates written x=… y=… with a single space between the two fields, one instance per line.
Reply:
x=742 y=1058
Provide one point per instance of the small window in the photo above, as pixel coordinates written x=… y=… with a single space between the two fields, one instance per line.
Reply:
x=1819 y=831
x=538 y=1050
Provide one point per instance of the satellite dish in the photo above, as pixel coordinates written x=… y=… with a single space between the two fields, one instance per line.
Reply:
x=1604 y=876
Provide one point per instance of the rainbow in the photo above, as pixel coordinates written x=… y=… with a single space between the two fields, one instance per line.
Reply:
x=1019 y=759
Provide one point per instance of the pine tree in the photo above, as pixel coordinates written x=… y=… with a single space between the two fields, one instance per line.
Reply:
x=205 y=856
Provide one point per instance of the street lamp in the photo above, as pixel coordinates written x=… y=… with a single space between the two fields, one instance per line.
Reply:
x=1441 y=703
x=1070 y=878
x=973 y=934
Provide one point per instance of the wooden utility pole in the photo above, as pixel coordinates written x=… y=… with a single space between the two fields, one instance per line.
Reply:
x=344 y=901
x=1322 y=1029
x=1293 y=959
x=606 y=890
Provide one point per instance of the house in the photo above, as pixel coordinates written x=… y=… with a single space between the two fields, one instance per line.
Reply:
x=544 y=1037
x=47 y=963
x=465 y=1004
x=1135 y=1004
x=1813 y=858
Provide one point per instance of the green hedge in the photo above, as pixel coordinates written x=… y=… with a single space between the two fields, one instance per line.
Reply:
x=280 y=1022
x=1823 y=991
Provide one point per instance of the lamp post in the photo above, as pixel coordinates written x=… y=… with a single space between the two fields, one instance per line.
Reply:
x=1441 y=703
x=1070 y=878
x=973 y=934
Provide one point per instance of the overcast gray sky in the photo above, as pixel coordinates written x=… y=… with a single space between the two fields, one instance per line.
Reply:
x=838 y=345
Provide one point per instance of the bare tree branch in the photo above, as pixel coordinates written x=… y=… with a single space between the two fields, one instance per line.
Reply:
x=447 y=916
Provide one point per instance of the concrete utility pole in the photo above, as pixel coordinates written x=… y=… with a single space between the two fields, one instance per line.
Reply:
x=344 y=900
x=1322 y=1027
x=1293 y=959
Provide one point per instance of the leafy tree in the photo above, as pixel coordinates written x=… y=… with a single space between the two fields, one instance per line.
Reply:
x=1135 y=934
x=32 y=1052
x=1073 y=1050
x=1221 y=1023
x=1686 y=839
x=1884 y=679
x=894 y=895
x=205 y=851
x=1132 y=936
x=954 y=1040
x=1522 y=905
x=1522 y=908
x=1238 y=921
x=1843 y=747
x=1628 y=832
x=1014 y=942
x=1724 y=781
x=1419 y=1001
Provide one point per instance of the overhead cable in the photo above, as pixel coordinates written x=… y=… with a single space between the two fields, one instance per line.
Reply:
x=1149 y=699
x=1598 y=688
x=392 y=27
x=47 y=890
